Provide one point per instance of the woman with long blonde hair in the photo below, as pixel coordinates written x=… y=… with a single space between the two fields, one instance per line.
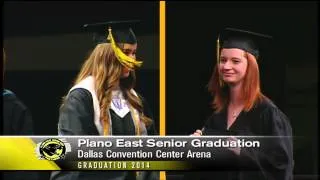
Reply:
x=241 y=109
x=103 y=101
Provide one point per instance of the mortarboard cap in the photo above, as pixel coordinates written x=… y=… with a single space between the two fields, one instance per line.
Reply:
x=121 y=31
x=115 y=32
x=246 y=40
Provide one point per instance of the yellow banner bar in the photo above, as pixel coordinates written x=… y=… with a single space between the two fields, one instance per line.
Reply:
x=20 y=154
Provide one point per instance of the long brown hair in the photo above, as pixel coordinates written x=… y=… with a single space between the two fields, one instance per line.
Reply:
x=103 y=65
x=251 y=87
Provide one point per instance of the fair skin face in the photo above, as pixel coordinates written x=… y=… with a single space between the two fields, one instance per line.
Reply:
x=232 y=68
x=130 y=50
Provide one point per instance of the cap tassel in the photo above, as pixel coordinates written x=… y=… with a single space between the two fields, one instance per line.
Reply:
x=218 y=62
x=123 y=58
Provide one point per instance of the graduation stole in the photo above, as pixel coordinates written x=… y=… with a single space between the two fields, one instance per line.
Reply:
x=122 y=57
x=135 y=117
x=136 y=121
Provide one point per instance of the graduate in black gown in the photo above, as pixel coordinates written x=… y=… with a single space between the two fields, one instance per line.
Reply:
x=241 y=109
x=16 y=120
x=103 y=100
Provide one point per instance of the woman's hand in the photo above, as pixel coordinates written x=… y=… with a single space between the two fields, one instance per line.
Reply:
x=236 y=150
x=197 y=133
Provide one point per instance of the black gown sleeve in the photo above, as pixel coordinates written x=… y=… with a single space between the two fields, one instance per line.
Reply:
x=17 y=119
x=208 y=128
x=275 y=155
x=146 y=108
x=77 y=114
x=23 y=124
x=27 y=123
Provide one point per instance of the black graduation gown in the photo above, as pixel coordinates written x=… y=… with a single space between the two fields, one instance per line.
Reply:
x=77 y=118
x=17 y=120
x=274 y=160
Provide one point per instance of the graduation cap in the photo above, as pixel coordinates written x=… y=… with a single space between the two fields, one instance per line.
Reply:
x=115 y=32
x=246 y=40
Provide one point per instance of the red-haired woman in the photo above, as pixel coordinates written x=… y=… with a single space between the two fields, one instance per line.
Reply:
x=241 y=109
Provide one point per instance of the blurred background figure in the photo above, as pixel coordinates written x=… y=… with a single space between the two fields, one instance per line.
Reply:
x=16 y=120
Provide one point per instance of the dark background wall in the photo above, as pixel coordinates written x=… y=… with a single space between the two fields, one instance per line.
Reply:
x=289 y=67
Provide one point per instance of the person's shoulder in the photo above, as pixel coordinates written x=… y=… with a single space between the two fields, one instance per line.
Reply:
x=265 y=105
x=269 y=111
x=8 y=95
x=10 y=98
x=79 y=93
x=76 y=97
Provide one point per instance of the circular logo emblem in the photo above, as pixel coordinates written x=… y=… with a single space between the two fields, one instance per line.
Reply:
x=52 y=149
